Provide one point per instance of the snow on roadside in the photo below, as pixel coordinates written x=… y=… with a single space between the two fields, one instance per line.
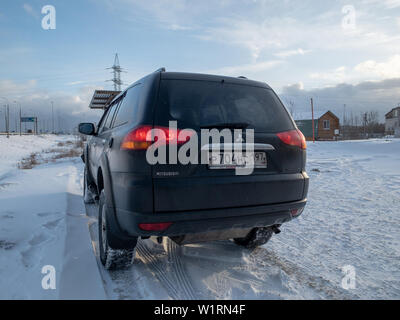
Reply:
x=80 y=277
x=32 y=216
x=38 y=219
x=15 y=148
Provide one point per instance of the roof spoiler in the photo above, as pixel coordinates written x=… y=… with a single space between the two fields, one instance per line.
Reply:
x=160 y=70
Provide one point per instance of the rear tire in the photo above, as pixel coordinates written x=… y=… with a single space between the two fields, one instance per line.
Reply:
x=255 y=238
x=112 y=258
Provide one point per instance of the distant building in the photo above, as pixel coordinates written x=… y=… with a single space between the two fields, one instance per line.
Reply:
x=326 y=125
x=392 y=122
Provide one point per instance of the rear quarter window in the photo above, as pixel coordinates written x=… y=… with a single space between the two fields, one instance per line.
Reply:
x=128 y=109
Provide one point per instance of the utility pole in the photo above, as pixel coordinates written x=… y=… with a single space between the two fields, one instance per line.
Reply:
x=52 y=115
x=58 y=121
x=6 y=116
x=20 y=120
x=344 y=121
x=365 y=125
x=312 y=114
x=8 y=120
x=16 y=116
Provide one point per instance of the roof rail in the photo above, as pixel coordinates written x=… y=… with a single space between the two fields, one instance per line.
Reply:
x=242 y=77
x=160 y=70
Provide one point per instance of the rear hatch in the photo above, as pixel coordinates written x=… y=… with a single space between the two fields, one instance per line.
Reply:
x=233 y=105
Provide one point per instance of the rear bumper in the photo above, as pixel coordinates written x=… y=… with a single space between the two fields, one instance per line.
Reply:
x=203 y=221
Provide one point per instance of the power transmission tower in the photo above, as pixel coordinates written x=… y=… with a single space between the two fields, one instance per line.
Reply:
x=116 y=70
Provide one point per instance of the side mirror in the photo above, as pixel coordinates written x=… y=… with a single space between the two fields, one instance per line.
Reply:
x=87 y=128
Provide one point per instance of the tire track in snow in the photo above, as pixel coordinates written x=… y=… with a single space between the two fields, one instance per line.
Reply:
x=175 y=259
x=162 y=275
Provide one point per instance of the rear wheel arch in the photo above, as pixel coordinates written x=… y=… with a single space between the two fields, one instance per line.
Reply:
x=115 y=253
x=100 y=180
x=90 y=176
x=104 y=183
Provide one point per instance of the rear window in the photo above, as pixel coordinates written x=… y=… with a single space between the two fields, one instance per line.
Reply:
x=196 y=104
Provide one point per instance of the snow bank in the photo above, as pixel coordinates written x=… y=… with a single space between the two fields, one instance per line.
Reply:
x=15 y=148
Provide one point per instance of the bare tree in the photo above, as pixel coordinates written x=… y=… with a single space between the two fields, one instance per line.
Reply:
x=291 y=107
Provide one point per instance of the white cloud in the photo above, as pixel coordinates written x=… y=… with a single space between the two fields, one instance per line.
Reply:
x=243 y=70
x=71 y=108
x=74 y=83
x=337 y=76
x=289 y=53
x=366 y=70
x=380 y=70
x=29 y=10
x=255 y=36
x=265 y=28
x=177 y=27
x=11 y=88
x=389 y=4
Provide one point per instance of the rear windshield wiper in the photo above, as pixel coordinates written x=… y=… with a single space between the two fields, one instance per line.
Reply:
x=231 y=125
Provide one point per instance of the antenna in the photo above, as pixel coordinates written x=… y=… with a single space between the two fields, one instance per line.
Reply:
x=116 y=70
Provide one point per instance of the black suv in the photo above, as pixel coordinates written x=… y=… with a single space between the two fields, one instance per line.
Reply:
x=192 y=202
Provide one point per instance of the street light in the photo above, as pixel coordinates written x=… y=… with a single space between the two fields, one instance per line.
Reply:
x=20 y=111
x=7 y=116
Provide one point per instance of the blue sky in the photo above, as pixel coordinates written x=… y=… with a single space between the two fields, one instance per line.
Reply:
x=300 y=48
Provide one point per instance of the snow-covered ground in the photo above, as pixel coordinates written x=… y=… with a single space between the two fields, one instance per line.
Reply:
x=36 y=217
x=352 y=218
x=15 y=148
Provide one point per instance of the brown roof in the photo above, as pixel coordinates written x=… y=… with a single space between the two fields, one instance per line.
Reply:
x=397 y=108
x=331 y=113
x=308 y=116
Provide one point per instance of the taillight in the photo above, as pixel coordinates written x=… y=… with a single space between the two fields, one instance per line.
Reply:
x=293 y=138
x=137 y=139
x=140 y=139
x=296 y=212
x=154 y=226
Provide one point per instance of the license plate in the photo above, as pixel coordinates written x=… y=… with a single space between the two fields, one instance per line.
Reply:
x=234 y=160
